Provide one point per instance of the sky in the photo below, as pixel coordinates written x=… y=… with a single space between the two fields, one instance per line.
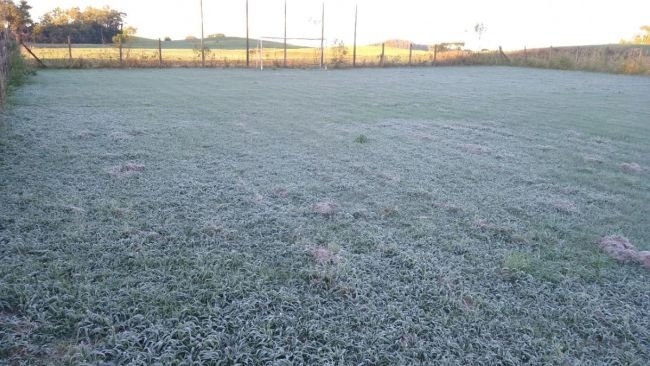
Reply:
x=513 y=24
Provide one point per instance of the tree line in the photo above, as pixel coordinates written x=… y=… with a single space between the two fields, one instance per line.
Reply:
x=90 y=25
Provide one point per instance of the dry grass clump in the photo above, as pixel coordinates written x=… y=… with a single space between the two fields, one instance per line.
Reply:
x=126 y=169
x=631 y=167
x=620 y=248
x=325 y=208
x=475 y=149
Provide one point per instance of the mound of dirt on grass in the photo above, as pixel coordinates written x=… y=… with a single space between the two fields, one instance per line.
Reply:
x=126 y=169
x=631 y=167
x=475 y=149
x=325 y=208
x=323 y=255
x=565 y=206
x=592 y=159
x=85 y=134
x=620 y=248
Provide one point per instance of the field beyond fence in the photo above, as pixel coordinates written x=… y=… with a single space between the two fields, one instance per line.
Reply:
x=625 y=59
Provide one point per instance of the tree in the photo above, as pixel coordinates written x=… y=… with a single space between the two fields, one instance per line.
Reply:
x=124 y=35
x=91 y=25
x=479 y=29
x=644 y=37
x=20 y=21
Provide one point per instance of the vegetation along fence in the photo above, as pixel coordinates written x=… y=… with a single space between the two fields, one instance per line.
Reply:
x=4 y=63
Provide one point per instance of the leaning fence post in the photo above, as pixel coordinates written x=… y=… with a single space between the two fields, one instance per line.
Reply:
x=160 y=60
x=410 y=54
x=120 y=50
x=383 y=48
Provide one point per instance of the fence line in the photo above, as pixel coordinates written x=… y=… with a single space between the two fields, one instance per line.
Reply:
x=4 y=63
x=337 y=55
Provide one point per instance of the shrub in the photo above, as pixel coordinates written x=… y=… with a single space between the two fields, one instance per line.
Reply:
x=361 y=139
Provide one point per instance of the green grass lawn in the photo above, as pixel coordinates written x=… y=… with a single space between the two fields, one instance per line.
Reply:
x=373 y=217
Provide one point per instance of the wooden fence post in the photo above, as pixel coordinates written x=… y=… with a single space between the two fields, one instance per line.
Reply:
x=435 y=54
x=160 y=59
x=120 y=51
x=354 y=48
x=410 y=54
x=69 y=51
x=248 y=48
x=640 y=54
x=383 y=48
x=285 y=34
x=525 y=54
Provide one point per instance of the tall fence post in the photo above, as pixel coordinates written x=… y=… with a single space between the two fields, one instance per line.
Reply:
x=525 y=54
x=202 y=38
x=383 y=49
x=285 y=34
x=120 y=44
x=160 y=58
x=322 y=38
x=410 y=54
x=435 y=54
x=354 y=48
x=248 y=47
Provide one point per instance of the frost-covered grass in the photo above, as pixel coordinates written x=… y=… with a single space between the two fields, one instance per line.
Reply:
x=229 y=216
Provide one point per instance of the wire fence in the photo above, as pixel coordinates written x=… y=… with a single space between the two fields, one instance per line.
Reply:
x=318 y=51
x=259 y=56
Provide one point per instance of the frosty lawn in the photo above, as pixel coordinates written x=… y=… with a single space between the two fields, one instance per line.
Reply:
x=232 y=216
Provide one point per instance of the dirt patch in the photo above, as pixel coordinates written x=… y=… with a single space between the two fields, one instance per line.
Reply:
x=280 y=193
x=475 y=149
x=323 y=255
x=565 y=206
x=448 y=206
x=592 y=159
x=120 y=136
x=620 y=248
x=631 y=167
x=644 y=259
x=126 y=169
x=325 y=208
x=85 y=134
x=568 y=190
x=73 y=209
